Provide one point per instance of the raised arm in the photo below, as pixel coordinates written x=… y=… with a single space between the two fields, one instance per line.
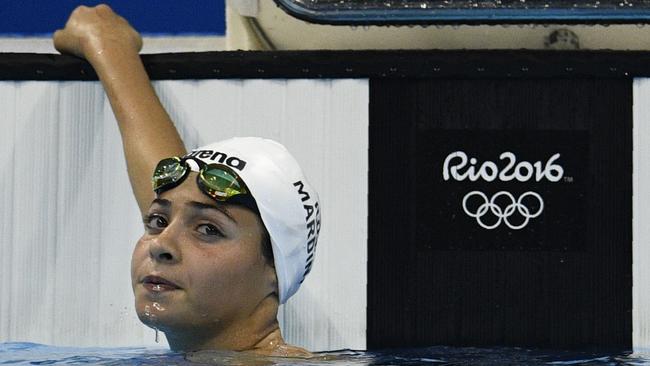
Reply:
x=111 y=46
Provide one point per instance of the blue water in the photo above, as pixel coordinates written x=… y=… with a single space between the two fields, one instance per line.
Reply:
x=38 y=354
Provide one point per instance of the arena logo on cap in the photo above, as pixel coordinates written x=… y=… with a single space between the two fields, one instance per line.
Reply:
x=459 y=166
x=312 y=219
x=220 y=157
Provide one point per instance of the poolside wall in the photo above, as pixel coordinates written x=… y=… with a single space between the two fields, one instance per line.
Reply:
x=68 y=221
x=641 y=218
x=351 y=119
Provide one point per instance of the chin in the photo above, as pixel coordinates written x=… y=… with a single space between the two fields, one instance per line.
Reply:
x=164 y=321
x=149 y=315
x=154 y=321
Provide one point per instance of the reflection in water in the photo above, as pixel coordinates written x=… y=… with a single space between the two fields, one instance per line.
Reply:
x=35 y=354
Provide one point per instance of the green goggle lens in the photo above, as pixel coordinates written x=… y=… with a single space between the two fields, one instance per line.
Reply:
x=168 y=171
x=220 y=182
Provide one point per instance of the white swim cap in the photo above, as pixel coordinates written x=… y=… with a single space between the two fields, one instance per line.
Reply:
x=287 y=203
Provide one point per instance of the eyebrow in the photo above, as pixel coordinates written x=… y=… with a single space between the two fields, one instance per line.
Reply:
x=161 y=202
x=204 y=206
x=200 y=206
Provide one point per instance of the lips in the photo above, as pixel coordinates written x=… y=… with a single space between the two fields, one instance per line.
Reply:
x=158 y=284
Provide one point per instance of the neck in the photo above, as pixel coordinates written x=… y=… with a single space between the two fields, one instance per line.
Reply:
x=259 y=331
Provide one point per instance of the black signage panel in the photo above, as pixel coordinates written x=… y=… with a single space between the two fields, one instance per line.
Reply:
x=500 y=213
x=502 y=189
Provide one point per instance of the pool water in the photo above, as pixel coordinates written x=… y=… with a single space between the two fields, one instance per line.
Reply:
x=38 y=354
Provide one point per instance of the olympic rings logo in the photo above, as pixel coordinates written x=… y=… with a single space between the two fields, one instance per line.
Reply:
x=504 y=214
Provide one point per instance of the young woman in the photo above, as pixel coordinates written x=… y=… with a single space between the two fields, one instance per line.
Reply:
x=230 y=228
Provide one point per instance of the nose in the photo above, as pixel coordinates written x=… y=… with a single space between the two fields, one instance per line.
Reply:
x=164 y=248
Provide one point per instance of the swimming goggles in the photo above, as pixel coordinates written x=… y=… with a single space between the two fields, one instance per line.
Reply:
x=218 y=181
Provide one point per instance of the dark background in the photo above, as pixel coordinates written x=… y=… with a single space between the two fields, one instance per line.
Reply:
x=428 y=287
x=561 y=221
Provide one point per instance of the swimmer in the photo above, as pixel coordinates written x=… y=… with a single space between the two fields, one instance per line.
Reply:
x=230 y=228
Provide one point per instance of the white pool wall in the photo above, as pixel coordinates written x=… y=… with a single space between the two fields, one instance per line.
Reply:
x=68 y=221
x=641 y=218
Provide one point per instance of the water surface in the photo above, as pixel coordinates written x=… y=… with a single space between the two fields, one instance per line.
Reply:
x=37 y=354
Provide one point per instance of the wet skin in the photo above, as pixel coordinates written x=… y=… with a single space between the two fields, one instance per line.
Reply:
x=205 y=290
x=199 y=275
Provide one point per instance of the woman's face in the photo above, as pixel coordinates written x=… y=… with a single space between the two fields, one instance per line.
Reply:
x=199 y=265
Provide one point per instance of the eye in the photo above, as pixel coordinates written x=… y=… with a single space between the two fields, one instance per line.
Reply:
x=155 y=222
x=209 y=230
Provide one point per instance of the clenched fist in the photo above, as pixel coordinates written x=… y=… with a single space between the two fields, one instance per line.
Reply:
x=91 y=31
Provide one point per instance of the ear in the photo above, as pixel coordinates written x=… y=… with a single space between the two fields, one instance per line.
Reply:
x=271 y=279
